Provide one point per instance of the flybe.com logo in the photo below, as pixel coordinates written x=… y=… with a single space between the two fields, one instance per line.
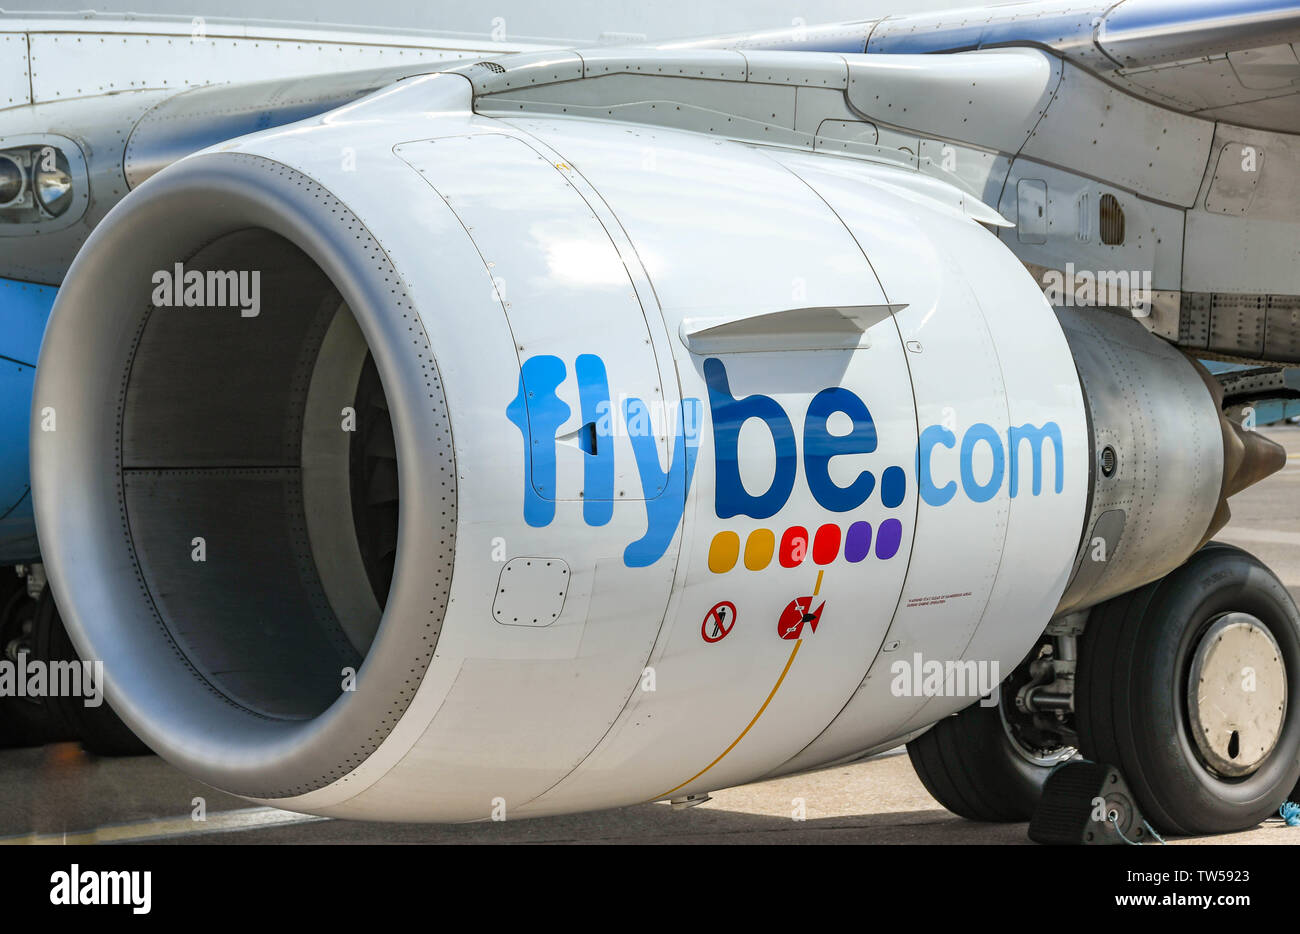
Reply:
x=538 y=412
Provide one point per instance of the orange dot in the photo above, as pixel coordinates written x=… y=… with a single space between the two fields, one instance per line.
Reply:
x=758 y=549
x=723 y=552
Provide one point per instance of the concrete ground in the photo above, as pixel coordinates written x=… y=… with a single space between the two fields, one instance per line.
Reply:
x=59 y=794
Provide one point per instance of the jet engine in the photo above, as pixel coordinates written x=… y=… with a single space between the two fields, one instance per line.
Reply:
x=413 y=464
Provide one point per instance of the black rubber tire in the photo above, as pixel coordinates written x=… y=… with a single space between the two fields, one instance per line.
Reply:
x=99 y=730
x=24 y=721
x=1130 y=699
x=969 y=765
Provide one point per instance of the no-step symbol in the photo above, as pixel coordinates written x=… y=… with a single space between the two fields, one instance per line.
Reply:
x=794 y=616
x=718 y=622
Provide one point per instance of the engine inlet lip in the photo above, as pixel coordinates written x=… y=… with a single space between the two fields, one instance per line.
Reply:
x=81 y=512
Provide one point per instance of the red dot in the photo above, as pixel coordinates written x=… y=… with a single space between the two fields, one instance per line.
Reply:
x=794 y=546
x=826 y=546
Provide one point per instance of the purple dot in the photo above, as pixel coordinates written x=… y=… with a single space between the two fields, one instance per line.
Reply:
x=857 y=542
x=889 y=538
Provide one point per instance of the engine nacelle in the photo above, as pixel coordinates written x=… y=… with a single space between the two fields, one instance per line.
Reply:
x=1164 y=459
x=411 y=464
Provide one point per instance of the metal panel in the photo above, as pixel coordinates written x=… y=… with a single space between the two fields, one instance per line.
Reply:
x=521 y=71
x=1282 y=329
x=991 y=99
x=977 y=171
x=252 y=525
x=795 y=68
x=1146 y=32
x=972 y=310
x=1237 y=325
x=200 y=117
x=1197 y=86
x=25 y=307
x=16 y=390
x=1095 y=128
x=1153 y=232
x=1249 y=246
x=174 y=414
x=1231 y=62
x=800 y=38
x=1148 y=404
x=1194 y=320
x=1031 y=210
x=15 y=76
x=1271 y=68
x=531 y=591
x=1235 y=180
x=1241 y=255
x=684 y=63
x=1065 y=25
x=1257 y=174
x=557 y=272
x=734 y=109
x=66 y=65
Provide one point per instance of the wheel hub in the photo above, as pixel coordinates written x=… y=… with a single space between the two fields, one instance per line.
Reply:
x=1236 y=694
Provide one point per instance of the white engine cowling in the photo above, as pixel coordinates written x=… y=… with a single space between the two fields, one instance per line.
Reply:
x=690 y=441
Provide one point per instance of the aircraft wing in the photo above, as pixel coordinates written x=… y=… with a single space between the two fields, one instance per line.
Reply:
x=1235 y=62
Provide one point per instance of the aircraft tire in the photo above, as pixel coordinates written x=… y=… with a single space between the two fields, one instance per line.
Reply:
x=24 y=721
x=969 y=764
x=1189 y=767
x=99 y=730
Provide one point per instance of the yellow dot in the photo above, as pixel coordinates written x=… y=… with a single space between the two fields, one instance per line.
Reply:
x=759 y=548
x=723 y=552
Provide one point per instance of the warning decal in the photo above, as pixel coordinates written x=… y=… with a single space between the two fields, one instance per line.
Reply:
x=718 y=621
x=796 y=615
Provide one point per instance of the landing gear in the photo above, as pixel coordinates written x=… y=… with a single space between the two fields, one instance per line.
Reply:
x=989 y=763
x=31 y=626
x=99 y=729
x=1190 y=686
x=24 y=721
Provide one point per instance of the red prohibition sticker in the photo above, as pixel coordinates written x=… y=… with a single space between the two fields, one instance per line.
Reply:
x=718 y=621
x=796 y=614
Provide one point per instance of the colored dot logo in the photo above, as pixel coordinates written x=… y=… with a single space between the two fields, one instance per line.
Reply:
x=796 y=546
